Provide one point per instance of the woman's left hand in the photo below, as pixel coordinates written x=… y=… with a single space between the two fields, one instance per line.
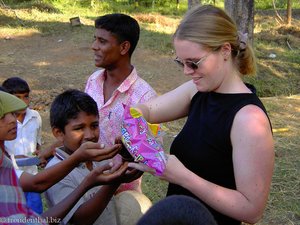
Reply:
x=175 y=172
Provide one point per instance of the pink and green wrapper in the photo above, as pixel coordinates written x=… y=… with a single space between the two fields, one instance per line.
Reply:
x=141 y=139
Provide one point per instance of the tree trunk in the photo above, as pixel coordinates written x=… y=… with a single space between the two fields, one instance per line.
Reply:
x=242 y=12
x=192 y=3
x=289 y=12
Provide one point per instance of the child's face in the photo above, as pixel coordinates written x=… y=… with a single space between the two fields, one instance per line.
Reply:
x=8 y=127
x=25 y=98
x=82 y=129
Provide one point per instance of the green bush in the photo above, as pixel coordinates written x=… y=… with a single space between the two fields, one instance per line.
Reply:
x=268 y=4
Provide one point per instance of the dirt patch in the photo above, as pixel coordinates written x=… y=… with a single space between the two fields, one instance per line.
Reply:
x=51 y=64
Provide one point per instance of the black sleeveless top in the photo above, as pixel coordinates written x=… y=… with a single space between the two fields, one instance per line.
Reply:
x=204 y=144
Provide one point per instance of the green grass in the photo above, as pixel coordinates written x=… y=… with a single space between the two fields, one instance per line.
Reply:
x=276 y=79
x=283 y=206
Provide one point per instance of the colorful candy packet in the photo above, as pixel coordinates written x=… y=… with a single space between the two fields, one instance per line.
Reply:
x=141 y=139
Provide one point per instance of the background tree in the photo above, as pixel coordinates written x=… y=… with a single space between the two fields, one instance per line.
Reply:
x=289 y=12
x=242 y=12
x=192 y=3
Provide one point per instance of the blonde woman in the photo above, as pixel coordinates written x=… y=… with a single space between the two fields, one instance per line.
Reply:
x=224 y=155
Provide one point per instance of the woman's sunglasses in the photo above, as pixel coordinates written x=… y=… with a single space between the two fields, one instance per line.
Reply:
x=190 y=64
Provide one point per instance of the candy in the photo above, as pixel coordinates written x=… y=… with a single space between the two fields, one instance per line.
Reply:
x=141 y=139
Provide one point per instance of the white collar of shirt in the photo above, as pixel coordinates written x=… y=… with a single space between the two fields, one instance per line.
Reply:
x=30 y=114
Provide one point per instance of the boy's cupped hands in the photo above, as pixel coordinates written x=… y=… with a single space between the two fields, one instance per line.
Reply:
x=103 y=175
x=90 y=151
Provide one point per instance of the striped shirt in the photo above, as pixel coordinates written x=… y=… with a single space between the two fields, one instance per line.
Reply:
x=12 y=200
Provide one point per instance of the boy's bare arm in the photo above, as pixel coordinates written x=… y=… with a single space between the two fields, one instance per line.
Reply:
x=88 y=151
x=95 y=177
x=92 y=209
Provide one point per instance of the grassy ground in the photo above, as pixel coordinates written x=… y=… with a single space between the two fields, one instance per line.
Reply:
x=278 y=83
x=276 y=76
x=284 y=201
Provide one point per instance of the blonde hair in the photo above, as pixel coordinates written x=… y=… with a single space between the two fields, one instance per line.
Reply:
x=211 y=27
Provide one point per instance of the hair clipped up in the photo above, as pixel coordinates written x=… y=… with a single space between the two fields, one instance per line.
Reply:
x=211 y=27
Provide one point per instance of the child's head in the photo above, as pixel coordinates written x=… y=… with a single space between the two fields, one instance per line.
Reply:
x=3 y=89
x=18 y=87
x=74 y=118
x=176 y=210
x=8 y=122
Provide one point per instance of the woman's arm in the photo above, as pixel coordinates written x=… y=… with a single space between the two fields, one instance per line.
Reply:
x=48 y=177
x=170 y=106
x=253 y=161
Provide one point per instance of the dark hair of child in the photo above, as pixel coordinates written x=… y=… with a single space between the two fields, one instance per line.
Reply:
x=177 y=210
x=16 y=85
x=68 y=105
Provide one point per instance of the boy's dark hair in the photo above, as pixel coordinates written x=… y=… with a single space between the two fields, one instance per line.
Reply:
x=68 y=105
x=16 y=85
x=3 y=89
x=177 y=210
x=124 y=27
